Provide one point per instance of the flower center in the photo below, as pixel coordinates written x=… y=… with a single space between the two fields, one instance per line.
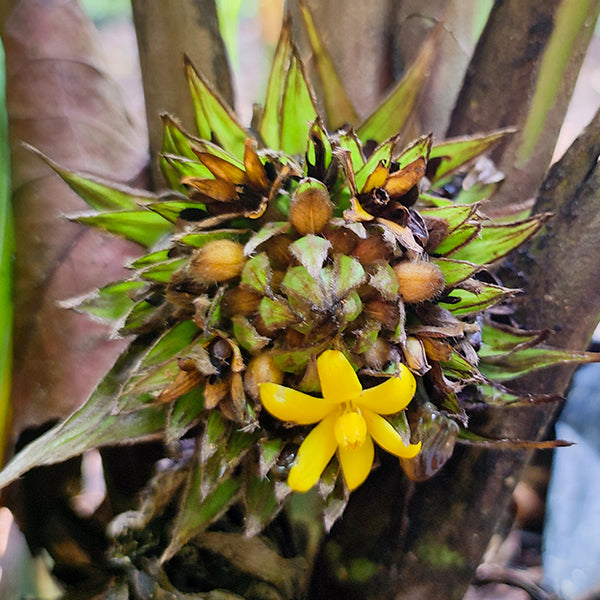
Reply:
x=350 y=430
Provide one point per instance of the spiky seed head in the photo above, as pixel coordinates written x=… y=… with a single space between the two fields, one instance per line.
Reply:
x=419 y=280
x=218 y=261
x=311 y=207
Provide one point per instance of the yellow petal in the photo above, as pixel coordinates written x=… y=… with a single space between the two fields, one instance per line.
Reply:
x=338 y=380
x=387 y=437
x=313 y=455
x=350 y=430
x=291 y=405
x=356 y=463
x=390 y=396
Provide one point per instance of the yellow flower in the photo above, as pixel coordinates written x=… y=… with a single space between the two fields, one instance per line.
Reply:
x=350 y=419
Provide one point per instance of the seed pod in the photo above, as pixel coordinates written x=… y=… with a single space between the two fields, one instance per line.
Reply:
x=378 y=354
x=311 y=207
x=261 y=369
x=342 y=240
x=217 y=261
x=386 y=313
x=371 y=249
x=419 y=280
x=415 y=356
x=239 y=301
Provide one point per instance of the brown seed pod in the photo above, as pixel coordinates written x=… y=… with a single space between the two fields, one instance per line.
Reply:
x=371 y=249
x=217 y=261
x=438 y=230
x=311 y=208
x=239 y=301
x=419 y=280
x=383 y=312
x=342 y=240
x=261 y=369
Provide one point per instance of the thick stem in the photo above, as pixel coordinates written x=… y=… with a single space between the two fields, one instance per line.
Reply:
x=165 y=32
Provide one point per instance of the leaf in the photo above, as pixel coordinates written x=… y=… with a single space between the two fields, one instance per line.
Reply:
x=277 y=313
x=261 y=503
x=472 y=302
x=63 y=102
x=184 y=167
x=338 y=107
x=298 y=110
x=269 y=126
x=346 y=275
x=171 y=210
x=247 y=336
x=95 y=424
x=98 y=193
x=457 y=152
x=382 y=154
x=197 y=240
x=144 y=227
x=257 y=273
x=110 y=302
x=468 y=437
x=170 y=344
x=464 y=234
x=455 y=271
x=301 y=287
x=520 y=362
x=496 y=240
x=391 y=116
x=214 y=119
x=7 y=243
x=311 y=252
x=196 y=513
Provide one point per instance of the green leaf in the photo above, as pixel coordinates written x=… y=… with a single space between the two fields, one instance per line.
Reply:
x=197 y=240
x=269 y=451
x=141 y=226
x=151 y=258
x=261 y=503
x=460 y=237
x=277 y=313
x=214 y=119
x=162 y=272
x=459 y=368
x=381 y=154
x=143 y=313
x=391 y=116
x=110 y=302
x=257 y=273
x=269 y=127
x=421 y=147
x=496 y=240
x=195 y=512
x=454 y=214
x=186 y=413
x=171 y=209
x=455 y=271
x=297 y=110
x=338 y=108
x=171 y=344
x=457 y=152
x=98 y=193
x=385 y=281
x=176 y=140
x=346 y=275
x=95 y=424
x=247 y=336
x=319 y=145
x=7 y=245
x=471 y=302
x=186 y=167
x=349 y=140
x=301 y=287
x=520 y=362
x=501 y=339
x=311 y=250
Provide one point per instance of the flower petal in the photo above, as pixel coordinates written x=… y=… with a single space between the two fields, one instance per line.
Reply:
x=390 y=396
x=313 y=455
x=291 y=405
x=357 y=462
x=339 y=381
x=387 y=437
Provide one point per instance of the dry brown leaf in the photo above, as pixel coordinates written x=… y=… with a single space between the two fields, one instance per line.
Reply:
x=61 y=100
